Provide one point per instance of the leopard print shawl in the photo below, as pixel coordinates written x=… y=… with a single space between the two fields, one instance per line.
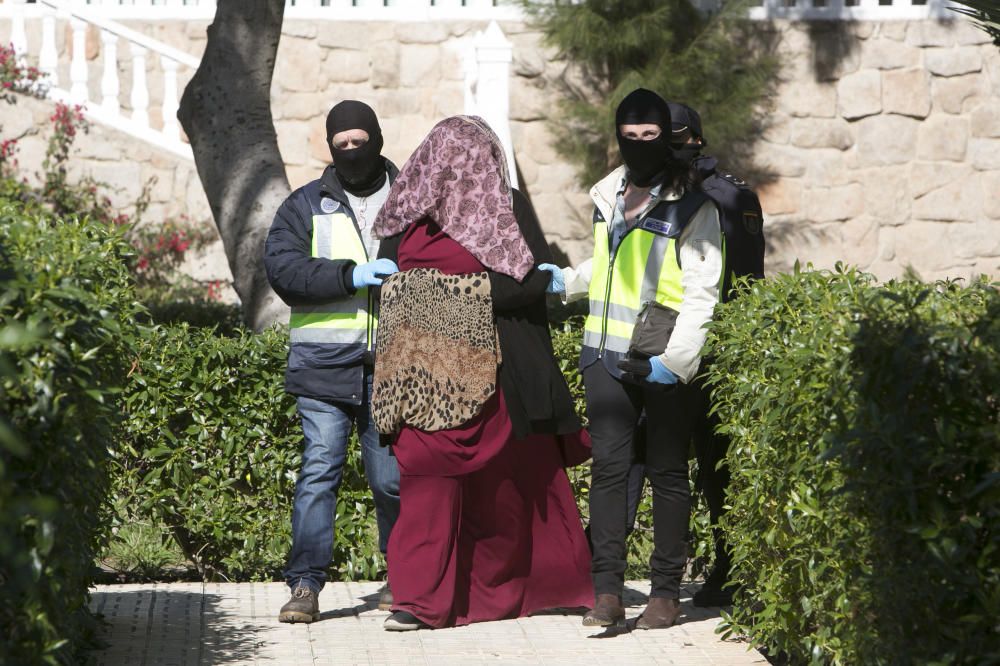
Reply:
x=437 y=350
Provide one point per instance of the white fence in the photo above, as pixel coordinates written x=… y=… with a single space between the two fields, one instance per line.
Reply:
x=850 y=10
x=501 y=10
x=68 y=70
x=486 y=69
x=148 y=56
x=343 y=10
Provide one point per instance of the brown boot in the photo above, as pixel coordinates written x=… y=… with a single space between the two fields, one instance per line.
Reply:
x=607 y=610
x=660 y=613
x=302 y=607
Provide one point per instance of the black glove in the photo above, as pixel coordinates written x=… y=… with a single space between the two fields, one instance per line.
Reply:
x=638 y=367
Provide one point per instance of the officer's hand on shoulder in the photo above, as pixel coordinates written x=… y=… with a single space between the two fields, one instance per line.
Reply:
x=372 y=273
x=659 y=373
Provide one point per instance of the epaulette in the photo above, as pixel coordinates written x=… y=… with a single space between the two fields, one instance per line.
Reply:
x=733 y=180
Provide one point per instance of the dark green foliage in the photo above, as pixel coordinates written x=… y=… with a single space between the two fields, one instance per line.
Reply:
x=68 y=313
x=866 y=467
x=985 y=14
x=718 y=64
x=212 y=446
x=225 y=318
x=211 y=449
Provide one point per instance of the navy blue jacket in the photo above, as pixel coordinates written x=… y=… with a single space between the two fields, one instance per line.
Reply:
x=301 y=279
x=741 y=219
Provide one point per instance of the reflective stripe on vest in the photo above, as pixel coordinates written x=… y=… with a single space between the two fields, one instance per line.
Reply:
x=344 y=320
x=644 y=268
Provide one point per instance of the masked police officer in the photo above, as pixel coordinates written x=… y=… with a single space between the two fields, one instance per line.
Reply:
x=741 y=221
x=320 y=259
x=740 y=218
x=656 y=239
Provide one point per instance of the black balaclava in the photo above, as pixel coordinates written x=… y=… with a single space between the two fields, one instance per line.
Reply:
x=645 y=159
x=360 y=170
x=683 y=117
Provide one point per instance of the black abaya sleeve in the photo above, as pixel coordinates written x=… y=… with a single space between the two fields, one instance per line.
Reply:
x=388 y=248
x=509 y=294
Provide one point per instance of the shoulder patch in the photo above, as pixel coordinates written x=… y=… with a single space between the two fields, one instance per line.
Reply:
x=328 y=205
x=752 y=222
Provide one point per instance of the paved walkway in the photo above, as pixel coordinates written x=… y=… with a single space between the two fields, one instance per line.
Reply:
x=188 y=624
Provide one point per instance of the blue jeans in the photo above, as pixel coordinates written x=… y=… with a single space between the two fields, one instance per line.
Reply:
x=327 y=427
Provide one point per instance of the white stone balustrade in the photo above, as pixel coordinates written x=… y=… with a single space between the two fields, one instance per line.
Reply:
x=487 y=86
x=347 y=10
x=840 y=10
x=478 y=10
x=78 y=65
x=849 y=10
x=146 y=53
x=426 y=10
x=127 y=104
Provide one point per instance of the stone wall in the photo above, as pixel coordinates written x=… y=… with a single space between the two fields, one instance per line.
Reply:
x=886 y=146
x=883 y=148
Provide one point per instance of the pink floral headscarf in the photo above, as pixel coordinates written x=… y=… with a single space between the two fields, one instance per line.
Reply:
x=458 y=178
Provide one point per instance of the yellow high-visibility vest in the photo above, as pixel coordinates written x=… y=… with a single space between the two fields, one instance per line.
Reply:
x=347 y=321
x=644 y=268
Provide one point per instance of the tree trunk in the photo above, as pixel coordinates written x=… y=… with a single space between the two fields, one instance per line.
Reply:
x=226 y=113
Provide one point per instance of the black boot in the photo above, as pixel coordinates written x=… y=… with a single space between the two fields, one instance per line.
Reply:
x=712 y=593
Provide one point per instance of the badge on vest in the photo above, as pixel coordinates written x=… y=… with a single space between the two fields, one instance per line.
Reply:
x=328 y=205
x=752 y=222
x=658 y=226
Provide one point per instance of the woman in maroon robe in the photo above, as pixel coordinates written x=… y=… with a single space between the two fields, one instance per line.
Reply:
x=488 y=527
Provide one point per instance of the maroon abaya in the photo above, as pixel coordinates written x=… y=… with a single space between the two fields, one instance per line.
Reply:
x=488 y=528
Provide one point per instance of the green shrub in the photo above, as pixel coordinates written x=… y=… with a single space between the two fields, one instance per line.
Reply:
x=866 y=467
x=225 y=318
x=211 y=449
x=68 y=313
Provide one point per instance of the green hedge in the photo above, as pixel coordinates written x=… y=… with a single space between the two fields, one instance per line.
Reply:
x=68 y=313
x=211 y=449
x=866 y=467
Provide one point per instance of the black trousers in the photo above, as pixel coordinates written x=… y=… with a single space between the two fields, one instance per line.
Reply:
x=614 y=408
x=713 y=477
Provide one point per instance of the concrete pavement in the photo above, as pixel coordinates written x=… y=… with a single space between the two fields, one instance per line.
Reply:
x=195 y=624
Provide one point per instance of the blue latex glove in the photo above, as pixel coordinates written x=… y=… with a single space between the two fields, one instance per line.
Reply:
x=557 y=285
x=659 y=373
x=371 y=274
